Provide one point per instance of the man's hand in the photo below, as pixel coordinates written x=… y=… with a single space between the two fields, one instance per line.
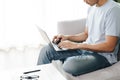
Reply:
x=59 y=38
x=67 y=44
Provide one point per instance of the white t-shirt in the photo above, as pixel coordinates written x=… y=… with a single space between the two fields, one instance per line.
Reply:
x=103 y=21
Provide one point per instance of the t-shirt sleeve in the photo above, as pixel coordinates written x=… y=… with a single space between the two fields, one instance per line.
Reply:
x=113 y=22
x=87 y=16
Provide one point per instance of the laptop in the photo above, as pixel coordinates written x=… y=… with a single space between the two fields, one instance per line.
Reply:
x=47 y=39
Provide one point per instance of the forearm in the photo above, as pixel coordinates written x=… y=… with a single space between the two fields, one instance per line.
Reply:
x=78 y=37
x=101 y=47
x=107 y=46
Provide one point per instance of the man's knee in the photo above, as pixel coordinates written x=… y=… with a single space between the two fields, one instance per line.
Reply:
x=78 y=65
x=45 y=55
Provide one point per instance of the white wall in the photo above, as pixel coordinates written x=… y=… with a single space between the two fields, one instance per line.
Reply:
x=19 y=38
x=18 y=19
x=60 y=10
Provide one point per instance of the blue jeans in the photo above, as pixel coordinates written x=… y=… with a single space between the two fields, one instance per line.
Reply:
x=75 y=62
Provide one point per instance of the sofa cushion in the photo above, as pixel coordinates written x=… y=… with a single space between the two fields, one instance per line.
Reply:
x=109 y=73
x=114 y=78
x=71 y=27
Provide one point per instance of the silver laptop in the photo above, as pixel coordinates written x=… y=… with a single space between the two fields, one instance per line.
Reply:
x=46 y=38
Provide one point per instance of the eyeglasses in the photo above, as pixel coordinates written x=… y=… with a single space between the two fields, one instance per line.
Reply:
x=29 y=77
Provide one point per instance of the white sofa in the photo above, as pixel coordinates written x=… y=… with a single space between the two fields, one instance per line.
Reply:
x=109 y=73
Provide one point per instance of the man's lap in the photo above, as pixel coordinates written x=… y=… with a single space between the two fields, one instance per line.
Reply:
x=76 y=62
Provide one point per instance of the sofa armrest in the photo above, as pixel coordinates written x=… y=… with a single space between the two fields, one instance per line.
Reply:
x=71 y=27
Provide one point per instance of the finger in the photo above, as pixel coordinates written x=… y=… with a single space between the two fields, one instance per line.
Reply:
x=59 y=45
x=58 y=39
x=54 y=38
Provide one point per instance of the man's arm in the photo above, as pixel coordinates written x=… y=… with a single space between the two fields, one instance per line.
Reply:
x=75 y=38
x=79 y=37
x=107 y=46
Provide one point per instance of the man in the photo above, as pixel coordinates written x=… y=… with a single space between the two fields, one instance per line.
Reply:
x=99 y=45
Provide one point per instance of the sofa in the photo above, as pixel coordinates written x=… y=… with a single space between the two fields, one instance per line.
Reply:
x=74 y=27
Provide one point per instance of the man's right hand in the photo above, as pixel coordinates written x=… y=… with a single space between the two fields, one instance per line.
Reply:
x=58 y=38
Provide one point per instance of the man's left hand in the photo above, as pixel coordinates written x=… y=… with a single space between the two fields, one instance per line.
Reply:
x=68 y=44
